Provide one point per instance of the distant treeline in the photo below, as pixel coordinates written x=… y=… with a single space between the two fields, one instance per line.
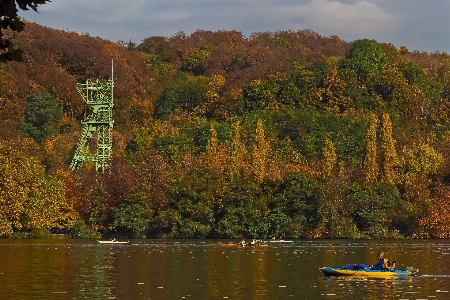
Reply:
x=219 y=135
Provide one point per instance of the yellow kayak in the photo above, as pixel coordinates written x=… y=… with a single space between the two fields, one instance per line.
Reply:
x=360 y=270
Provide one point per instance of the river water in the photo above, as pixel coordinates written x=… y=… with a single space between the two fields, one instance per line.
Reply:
x=203 y=269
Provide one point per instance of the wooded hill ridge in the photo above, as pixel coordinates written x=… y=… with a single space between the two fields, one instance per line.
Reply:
x=218 y=135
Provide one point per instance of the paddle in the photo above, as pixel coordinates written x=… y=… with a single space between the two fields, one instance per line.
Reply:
x=413 y=270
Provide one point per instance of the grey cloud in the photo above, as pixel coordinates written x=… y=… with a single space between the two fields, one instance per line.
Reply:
x=414 y=23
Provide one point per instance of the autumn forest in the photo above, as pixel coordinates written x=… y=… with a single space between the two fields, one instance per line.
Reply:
x=219 y=135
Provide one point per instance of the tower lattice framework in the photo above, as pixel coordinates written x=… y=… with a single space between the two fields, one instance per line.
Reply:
x=96 y=140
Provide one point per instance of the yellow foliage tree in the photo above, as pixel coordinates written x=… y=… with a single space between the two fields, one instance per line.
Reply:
x=329 y=159
x=395 y=90
x=145 y=135
x=419 y=160
x=212 y=95
x=236 y=151
x=370 y=160
x=260 y=149
x=388 y=151
x=211 y=149
x=28 y=197
x=332 y=92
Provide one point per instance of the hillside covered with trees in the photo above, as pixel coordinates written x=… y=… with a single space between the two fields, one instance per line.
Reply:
x=219 y=135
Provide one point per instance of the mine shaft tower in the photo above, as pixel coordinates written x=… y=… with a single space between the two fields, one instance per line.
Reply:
x=96 y=139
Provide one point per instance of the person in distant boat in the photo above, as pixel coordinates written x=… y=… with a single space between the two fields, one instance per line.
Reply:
x=253 y=243
x=242 y=243
x=114 y=240
x=383 y=263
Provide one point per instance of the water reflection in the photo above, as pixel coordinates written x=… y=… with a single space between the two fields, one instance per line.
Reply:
x=94 y=281
x=192 y=269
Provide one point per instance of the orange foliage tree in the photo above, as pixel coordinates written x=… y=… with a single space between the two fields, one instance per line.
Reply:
x=436 y=223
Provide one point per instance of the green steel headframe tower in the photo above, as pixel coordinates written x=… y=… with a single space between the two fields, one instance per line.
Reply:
x=98 y=126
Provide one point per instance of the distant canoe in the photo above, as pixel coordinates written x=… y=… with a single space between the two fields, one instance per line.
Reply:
x=245 y=245
x=277 y=241
x=231 y=245
x=112 y=242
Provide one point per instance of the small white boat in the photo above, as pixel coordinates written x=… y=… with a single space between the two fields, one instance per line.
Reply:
x=280 y=241
x=112 y=242
x=276 y=241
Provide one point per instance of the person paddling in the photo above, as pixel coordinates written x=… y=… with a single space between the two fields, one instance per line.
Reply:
x=242 y=243
x=383 y=263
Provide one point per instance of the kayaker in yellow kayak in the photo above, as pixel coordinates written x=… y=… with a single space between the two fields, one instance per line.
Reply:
x=383 y=263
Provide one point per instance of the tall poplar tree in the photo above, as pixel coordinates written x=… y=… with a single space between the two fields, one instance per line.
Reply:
x=236 y=151
x=370 y=160
x=211 y=148
x=329 y=159
x=388 y=152
x=259 y=152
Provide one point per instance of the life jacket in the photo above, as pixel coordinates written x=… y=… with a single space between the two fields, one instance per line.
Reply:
x=385 y=264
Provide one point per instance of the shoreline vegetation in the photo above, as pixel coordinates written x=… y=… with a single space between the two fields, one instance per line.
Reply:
x=219 y=135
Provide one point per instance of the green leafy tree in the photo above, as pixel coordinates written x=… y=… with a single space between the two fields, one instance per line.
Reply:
x=184 y=94
x=260 y=94
x=82 y=231
x=166 y=223
x=376 y=209
x=306 y=80
x=145 y=135
x=356 y=90
x=196 y=61
x=299 y=198
x=172 y=147
x=158 y=64
x=234 y=216
x=394 y=90
x=366 y=57
x=43 y=116
x=197 y=219
x=134 y=216
x=336 y=213
x=415 y=75
x=313 y=127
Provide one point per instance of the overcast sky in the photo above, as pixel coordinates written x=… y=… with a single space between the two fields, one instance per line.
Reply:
x=422 y=25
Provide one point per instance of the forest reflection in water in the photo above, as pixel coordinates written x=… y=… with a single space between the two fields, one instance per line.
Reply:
x=203 y=269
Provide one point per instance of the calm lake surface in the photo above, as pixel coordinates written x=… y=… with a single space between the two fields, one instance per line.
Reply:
x=203 y=269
